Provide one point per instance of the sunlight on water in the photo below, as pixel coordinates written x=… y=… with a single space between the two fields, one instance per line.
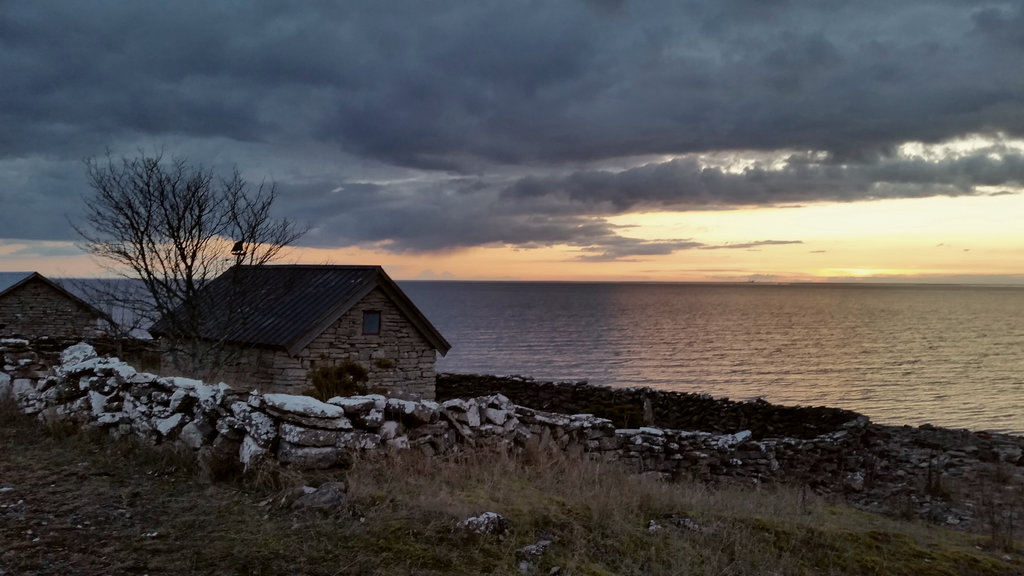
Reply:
x=951 y=356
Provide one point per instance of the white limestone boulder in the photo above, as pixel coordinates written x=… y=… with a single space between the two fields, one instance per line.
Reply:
x=373 y=419
x=354 y=405
x=258 y=426
x=301 y=436
x=486 y=523
x=306 y=411
x=398 y=443
x=463 y=411
x=170 y=425
x=250 y=453
x=329 y=496
x=196 y=433
x=729 y=441
x=389 y=430
x=310 y=457
x=76 y=354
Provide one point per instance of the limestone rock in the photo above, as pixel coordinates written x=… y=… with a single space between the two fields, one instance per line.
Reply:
x=329 y=496
x=302 y=405
x=529 y=556
x=197 y=433
x=230 y=427
x=311 y=457
x=410 y=412
x=465 y=411
x=486 y=523
x=399 y=443
x=109 y=418
x=22 y=388
x=169 y=425
x=496 y=416
x=731 y=440
x=142 y=378
x=354 y=405
x=301 y=436
x=172 y=383
x=181 y=401
x=388 y=430
x=307 y=411
x=250 y=452
x=373 y=419
x=366 y=441
x=257 y=425
x=76 y=354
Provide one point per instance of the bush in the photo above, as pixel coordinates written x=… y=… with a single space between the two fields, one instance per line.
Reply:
x=345 y=379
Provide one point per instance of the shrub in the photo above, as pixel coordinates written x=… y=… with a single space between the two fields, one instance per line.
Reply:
x=345 y=379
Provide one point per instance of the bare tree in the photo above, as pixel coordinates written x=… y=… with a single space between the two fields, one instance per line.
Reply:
x=175 y=227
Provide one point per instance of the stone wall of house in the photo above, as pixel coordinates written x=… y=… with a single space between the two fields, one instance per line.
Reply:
x=881 y=468
x=635 y=407
x=399 y=361
x=36 y=309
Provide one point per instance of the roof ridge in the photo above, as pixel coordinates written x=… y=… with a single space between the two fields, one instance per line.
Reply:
x=313 y=266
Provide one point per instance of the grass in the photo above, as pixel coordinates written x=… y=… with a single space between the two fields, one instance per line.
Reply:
x=79 y=503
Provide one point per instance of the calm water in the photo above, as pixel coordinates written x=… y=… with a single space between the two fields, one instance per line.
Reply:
x=951 y=356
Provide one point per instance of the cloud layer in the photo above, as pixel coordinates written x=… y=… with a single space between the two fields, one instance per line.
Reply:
x=433 y=126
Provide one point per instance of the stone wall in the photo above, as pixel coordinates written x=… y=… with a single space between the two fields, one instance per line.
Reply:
x=35 y=309
x=398 y=360
x=634 y=407
x=955 y=477
x=102 y=392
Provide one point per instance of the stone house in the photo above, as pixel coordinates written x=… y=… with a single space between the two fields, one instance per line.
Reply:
x=273 y=325
x=33 y=306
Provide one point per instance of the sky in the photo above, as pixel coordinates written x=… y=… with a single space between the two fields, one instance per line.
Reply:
x=654 y=140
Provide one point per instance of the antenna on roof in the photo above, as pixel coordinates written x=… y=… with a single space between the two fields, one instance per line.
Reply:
x=238 y=251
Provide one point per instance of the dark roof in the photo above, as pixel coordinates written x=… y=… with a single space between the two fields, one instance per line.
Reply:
x=290 y=305
x=125 y=302
x=11 y=280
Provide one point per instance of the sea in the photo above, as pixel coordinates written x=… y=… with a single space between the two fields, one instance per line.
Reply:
x=951 y=356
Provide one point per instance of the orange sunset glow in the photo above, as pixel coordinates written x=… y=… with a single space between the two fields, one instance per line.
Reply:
x=970 y=240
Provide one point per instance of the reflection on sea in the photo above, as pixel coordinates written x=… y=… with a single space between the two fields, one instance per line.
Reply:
x=952 y=356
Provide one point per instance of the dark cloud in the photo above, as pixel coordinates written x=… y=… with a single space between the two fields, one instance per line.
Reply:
x=441 y=84
x=748 y=245
x=432 y=126
x=619 y=248
x=687 y=184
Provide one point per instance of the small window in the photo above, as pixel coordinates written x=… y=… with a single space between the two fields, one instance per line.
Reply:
x=371 y=322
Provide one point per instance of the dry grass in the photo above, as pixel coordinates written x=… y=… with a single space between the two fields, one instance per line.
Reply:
x=79 y=504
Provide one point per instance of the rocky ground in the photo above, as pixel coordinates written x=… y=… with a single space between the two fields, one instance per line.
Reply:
x=958 y=478
x=82 y=505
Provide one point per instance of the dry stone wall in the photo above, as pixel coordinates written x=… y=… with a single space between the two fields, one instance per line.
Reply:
x=634 y=407
x=102 y=392
x=883 y=468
